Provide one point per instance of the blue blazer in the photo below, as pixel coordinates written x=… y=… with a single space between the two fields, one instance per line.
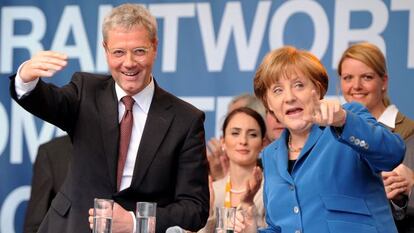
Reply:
x=335 y=185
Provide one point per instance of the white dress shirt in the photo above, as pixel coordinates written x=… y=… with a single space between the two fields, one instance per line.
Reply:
x=389 y=116
x=140 y=112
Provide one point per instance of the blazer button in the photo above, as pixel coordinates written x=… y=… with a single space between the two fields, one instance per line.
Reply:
x=296 y=209
x=362 y=143
x=357 y=141
x=352 y=138
x=291 y=187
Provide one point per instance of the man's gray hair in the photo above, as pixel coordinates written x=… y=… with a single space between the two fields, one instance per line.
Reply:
x=127 y=16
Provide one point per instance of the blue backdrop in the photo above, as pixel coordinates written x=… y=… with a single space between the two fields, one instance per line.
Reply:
x=208 y=53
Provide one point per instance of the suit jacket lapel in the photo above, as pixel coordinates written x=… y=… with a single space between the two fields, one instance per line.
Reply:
x=314 y=135
x=282 y=156
x=107 y=103
x=398 y=120
x=158 y=122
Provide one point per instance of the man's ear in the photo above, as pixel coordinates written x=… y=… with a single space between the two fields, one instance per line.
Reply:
x=104 y=45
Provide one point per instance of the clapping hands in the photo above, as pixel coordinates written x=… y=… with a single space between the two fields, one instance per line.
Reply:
x=246 y=214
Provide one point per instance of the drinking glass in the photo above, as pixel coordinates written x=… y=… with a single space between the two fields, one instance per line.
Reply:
x=226 y=218
x=102 y=215
x=146 y=215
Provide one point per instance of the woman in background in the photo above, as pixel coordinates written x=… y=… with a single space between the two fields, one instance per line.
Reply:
x=243 y=136
x=364 y=79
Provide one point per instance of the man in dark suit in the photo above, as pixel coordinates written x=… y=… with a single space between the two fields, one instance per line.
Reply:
x=165 y=161
x=49 y=172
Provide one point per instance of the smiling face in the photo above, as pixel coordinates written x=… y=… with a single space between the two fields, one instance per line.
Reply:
x=130 y=55
x=362 y=84
x=291 y=99
x=242 y=139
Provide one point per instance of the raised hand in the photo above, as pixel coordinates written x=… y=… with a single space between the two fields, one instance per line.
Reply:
x=246 y=214
x=252 y=186
x=43 y=64
x=217 y=159
x=325 y=112
x=212 y=196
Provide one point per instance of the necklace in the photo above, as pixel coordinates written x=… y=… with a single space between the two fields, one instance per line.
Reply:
x=237 y=191
x=291 y=149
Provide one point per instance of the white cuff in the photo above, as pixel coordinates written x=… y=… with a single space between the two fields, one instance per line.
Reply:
x=133 y=220
x=21 y=87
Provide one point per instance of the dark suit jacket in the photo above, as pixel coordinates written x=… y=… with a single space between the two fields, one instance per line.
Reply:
x=170 y=168
x=407 y=224
x=49 y=172
x=404 y=126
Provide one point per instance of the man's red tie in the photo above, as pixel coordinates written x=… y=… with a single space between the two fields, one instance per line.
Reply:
x=125 y=130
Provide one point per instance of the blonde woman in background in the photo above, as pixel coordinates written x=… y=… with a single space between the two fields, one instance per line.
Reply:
x=364 y=79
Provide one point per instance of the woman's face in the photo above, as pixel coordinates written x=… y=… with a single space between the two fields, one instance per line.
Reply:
x=242 y=139
x=292 y=99
x=362 y=84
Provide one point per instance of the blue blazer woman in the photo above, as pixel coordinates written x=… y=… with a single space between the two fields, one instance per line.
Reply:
x=335 y=185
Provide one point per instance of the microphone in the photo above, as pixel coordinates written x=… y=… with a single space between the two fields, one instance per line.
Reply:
x=175 y=229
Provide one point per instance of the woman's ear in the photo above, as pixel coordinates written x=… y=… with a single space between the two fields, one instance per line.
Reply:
x=223 y=145
x=318 y=90
x=384 y=83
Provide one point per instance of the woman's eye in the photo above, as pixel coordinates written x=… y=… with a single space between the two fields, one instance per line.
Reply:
x=367 y=77
x=346 y=78
x=277 y=90
x=299 y=85
x=235 y=133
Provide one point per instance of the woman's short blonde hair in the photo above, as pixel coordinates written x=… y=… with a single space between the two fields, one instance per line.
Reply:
x=283 y=63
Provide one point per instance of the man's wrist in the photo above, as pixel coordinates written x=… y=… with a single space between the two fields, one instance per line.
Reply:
x=22 y=87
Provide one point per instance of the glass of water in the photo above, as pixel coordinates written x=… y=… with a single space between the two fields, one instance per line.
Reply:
x=225 y=219
x=102 y=215
x=146 y=213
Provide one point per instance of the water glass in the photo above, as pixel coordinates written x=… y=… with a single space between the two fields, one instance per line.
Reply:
x=226 y=218
x=146 y=215
x=102 y=215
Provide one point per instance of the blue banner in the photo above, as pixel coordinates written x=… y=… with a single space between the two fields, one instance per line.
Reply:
x=208 y=52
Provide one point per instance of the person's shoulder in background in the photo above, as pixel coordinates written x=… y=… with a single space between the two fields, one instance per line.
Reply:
x=49 y=173
x=404 y=126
